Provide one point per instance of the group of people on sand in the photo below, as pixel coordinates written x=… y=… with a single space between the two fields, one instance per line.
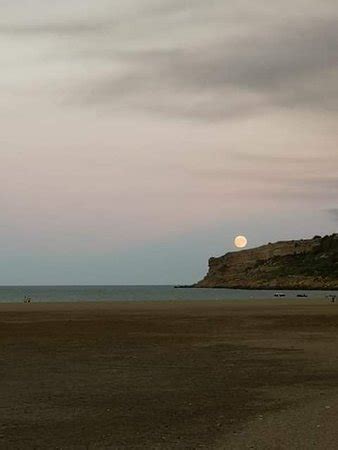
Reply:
x=332 y=298
x=27 y=299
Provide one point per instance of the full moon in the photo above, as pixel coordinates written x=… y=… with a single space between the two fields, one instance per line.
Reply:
x=241 y=242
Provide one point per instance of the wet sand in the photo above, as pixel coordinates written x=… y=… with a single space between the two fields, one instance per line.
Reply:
x=186 y=375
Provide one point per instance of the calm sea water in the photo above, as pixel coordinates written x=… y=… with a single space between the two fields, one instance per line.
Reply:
x=135 y=293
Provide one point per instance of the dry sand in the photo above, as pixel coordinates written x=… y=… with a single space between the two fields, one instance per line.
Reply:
x=186 y=375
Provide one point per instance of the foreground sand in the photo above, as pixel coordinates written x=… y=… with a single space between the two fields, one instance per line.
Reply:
x=245 y=375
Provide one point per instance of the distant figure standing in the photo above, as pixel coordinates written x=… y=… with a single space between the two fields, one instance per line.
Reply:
x=332 y=298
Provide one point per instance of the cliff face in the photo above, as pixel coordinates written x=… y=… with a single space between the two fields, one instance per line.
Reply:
x=303 y=264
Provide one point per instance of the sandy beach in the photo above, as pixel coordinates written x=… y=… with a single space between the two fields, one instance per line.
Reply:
x=163 y=375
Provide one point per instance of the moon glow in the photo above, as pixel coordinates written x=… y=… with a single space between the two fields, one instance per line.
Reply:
x=241 y=242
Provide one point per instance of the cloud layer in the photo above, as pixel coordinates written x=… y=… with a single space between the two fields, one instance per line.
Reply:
x=204 y=60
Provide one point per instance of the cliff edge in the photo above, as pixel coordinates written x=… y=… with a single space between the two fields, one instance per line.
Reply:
x=299 y=264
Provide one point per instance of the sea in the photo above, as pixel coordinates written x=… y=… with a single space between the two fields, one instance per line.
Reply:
x=49 y=294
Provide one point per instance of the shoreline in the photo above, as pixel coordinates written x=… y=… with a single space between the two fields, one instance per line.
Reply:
x=273 y=288
x=162 y=304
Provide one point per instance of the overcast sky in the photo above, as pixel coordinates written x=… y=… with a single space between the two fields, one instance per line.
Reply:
x=138 y=137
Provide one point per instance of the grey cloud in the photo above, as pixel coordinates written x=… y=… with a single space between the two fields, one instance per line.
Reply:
x=229 y=59
x=174 y=6
x=285 y=160
x=255 y=175
x=334 y=214
x=278 y=67
x=70 y=28
x=283 y=175
x=261 y=61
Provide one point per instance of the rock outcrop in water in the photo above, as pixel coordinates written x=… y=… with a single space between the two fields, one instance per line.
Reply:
x=301 y=264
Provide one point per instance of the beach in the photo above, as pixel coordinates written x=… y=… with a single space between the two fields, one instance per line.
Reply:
x=162 y=375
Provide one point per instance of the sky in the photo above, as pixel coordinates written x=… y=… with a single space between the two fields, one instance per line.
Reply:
x=139 y=137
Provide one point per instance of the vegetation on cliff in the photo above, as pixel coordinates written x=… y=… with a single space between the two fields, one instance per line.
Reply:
x=321 y=261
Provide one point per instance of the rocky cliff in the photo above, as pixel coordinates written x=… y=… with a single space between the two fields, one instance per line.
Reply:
x=302 y=264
